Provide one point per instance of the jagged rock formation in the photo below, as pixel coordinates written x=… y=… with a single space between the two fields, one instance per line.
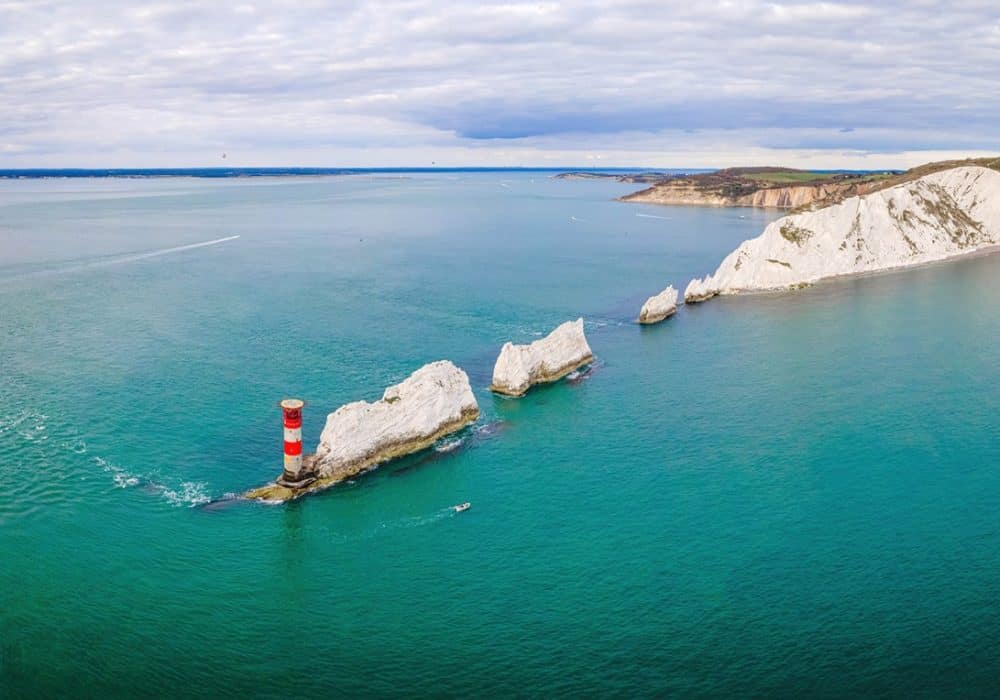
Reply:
x=431 y=403
x=936 y=216
x=659 y=307
x=699 y=290
x=519 y=367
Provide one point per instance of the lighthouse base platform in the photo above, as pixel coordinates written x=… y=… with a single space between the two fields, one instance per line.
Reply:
x=299 y=484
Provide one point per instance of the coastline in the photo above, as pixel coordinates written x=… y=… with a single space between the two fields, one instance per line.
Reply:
x=984 y=251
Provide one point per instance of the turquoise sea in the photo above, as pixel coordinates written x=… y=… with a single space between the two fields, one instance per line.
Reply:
x=788 y=495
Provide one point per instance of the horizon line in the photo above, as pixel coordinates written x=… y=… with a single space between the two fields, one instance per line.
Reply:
x=7 y=173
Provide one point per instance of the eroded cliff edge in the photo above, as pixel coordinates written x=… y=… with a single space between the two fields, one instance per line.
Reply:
x=932 y=217
x=781 y=188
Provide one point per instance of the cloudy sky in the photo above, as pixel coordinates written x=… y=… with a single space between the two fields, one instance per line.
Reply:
x=415 y=82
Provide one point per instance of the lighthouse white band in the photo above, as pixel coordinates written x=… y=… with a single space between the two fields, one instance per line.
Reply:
x=293 y=434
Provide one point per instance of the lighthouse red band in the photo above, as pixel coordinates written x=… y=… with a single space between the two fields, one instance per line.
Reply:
x=292 y=413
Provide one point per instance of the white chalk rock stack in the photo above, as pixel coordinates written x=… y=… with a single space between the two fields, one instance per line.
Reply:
x=698 y=290
x=432 y=402
x=942 y=215
x=659 y=307
x=519 y=367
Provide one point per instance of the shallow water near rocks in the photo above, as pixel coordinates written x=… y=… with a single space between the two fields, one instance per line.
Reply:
x=780 y=494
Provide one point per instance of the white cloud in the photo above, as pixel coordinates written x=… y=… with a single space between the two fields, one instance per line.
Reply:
x=106 y=83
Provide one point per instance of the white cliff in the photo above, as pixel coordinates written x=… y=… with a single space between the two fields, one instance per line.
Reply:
x=659 y=307
x=937 y=216
x=434 y=401
x=553 y=357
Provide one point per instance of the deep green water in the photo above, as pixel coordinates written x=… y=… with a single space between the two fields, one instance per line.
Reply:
x=791 y=495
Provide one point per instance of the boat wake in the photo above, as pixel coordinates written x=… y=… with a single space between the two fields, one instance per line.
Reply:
x=122 y=259
x=652 y=216
x=388 y=526
x=162 y=251
x=418 y=520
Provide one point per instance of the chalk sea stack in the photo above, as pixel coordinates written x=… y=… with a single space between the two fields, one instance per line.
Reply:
x=933 y=217
x=519 y=367
x=659 y=307
x=433 y=402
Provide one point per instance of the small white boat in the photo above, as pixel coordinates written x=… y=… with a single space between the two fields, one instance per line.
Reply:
x=461 y=507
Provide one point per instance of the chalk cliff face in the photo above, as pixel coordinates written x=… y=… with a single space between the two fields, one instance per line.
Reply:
x=553 y=357
x=793 y=197
x=941 y=215
x=659 y=307
x=693 y=192
x=434 y=401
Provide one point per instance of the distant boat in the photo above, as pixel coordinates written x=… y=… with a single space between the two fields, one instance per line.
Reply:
x=461 y=507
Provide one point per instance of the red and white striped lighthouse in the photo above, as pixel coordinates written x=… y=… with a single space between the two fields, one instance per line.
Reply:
x=293 y=474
